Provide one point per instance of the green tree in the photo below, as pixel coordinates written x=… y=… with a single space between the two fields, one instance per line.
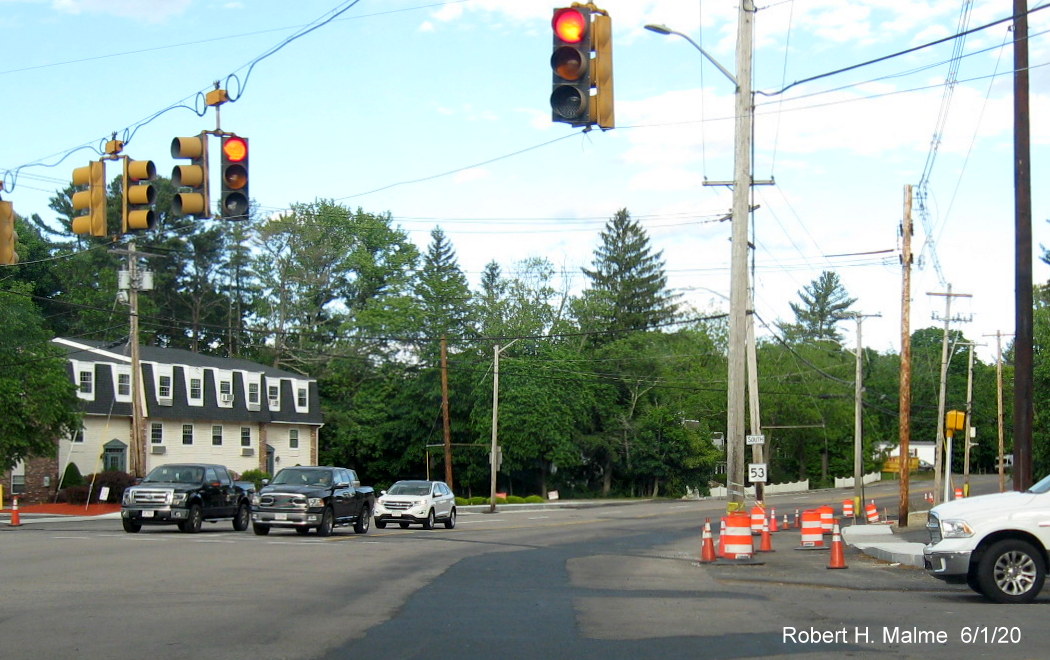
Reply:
x=38 y=399
x=825 y=303
x=628 y=287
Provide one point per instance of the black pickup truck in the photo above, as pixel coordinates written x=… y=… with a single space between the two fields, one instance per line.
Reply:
x=313 y=497
x=186 y=494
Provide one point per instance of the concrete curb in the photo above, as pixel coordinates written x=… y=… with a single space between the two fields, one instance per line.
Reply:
x=879 y=541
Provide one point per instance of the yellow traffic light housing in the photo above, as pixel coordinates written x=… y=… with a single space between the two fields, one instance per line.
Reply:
x=233 y=205
x=603 y=108
x=8 y=235
x=138 y=196
x=195 y=201
x=92 y=199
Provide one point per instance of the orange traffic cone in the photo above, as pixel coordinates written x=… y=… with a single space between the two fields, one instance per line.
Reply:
x=707 y=545
x=773 y=521
x=767 y=540
x=838 y=552
x=798 y=520
x=16 y=521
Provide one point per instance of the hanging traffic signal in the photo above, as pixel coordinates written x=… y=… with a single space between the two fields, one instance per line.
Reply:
x=570 y=65
x=195 y=201
x=603 y=113
x=138 y=196
x=234 y=201
x=8 y=235
x=93 y=199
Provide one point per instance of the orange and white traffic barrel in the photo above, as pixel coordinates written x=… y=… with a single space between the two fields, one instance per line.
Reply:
x=871 y=512
x=847 y=508
x=737 y=537
x=812 y=531
x=827 y=518
x=758 y=519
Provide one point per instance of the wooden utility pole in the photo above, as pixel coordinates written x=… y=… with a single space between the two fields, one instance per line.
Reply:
x=444 y=411
x=904 y=414
x=1000 y=416
x=858 y=415
x=968 y=431
x=757 y=450
x=138 y=440
x=1024 y=412
x=940 y=464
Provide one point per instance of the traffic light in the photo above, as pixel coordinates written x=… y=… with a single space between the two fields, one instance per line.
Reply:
x=234 y=201
x=8 y=236
x=603 y=113
x=194 y=176
x=570 y=65
x=138 y=196
x=93 y=199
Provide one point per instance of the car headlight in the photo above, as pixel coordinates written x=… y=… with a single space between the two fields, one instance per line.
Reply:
x=178 y=499
x=955 y=529
x=255 y=500
x=127 y=497
x=315 y=502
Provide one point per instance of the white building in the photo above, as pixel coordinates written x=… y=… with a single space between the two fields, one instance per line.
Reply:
x=196 y=408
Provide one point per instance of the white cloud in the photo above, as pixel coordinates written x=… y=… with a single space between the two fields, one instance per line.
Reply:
x=151 y=12
x=471 y=175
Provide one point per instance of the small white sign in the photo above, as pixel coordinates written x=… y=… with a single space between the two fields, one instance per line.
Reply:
x=756 y=439
x=103 y=494
x=756 y=472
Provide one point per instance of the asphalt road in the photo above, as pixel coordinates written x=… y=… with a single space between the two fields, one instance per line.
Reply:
x=606 y=582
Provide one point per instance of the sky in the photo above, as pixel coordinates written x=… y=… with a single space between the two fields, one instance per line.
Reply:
x=438 y=113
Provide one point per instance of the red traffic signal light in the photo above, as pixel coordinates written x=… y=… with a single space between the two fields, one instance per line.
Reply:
x=570 y=25
x=234 y=172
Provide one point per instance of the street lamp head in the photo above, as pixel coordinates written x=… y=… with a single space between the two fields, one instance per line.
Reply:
x=659 y=29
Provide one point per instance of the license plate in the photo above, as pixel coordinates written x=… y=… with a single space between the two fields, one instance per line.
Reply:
x=280 y=516
x=147 y=514
x=396 y=514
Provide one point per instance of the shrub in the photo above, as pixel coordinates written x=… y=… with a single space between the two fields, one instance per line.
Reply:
x=72 y=477
x=73 y=495
x=514 y=499
x=479 y=500
x=534 y=499
x=255 y=476
x=116 y=481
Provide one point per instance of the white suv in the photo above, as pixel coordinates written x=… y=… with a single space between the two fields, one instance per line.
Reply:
x=419 y=502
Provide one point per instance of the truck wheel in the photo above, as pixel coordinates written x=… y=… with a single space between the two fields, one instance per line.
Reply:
x=381 y=524
x=241 y=520
x=1011 y=571
x=363 y=521
x=429 y=522
x=192 y=524
x=260 y=530
x=130 y=526
x=327 y=523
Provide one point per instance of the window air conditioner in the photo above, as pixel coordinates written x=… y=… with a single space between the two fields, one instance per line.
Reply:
x=157 y=449
x=164 y=400
x=247 y=451
x=226 y=398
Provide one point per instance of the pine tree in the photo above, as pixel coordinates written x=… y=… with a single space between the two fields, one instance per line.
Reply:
x=825 y=302
x=443 y=293
x=628 y=289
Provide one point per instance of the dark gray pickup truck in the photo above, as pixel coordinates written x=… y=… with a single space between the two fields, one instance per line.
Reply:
x=186 y=494
x=313 y=497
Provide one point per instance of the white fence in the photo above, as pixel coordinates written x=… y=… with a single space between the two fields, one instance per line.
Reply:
x=770 y=489
x=796 y=486
x=866 y=479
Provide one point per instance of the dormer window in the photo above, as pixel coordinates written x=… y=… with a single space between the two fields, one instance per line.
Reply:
x=124 y=384
x=196 y=391
x=164 y=387
x=86 y=382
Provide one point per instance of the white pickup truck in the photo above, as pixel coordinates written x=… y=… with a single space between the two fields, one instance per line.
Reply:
x=997 y=544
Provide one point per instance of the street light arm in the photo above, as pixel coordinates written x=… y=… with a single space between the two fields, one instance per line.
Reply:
x=663 y=29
